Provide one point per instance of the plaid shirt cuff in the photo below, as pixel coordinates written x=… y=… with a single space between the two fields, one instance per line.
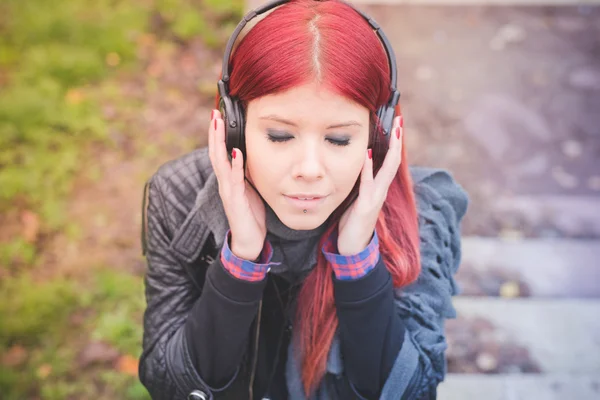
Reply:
x=355 y=266
x=251 y=271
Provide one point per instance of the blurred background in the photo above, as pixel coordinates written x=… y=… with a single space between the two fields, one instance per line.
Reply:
x=95 y=95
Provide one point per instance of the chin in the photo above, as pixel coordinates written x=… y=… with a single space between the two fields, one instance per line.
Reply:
x=303 y=222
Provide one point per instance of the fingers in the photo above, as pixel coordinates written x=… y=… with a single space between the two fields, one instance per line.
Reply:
x=218 y=150
x=237 y=167
x=229 y=174
x=211 y=144
x=211 y=137
x=393 y=157
x=366 y=176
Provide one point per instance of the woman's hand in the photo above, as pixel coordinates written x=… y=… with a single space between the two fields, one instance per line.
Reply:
x=357 y=225
x=244 y=208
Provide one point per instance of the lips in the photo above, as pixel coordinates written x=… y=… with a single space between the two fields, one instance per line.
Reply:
x=306 y=204
x=303 y=196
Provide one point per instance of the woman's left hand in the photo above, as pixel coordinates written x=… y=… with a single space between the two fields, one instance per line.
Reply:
x=357 y=225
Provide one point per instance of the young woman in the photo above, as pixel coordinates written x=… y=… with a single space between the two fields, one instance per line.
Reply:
x=333 y=260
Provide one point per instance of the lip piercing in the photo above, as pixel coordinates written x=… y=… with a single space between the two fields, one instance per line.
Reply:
x=305 y=211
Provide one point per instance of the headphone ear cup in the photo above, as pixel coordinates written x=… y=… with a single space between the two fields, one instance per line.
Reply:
x=228 y=108
x=223 y=109
x=385 y=115
x=232 y=114
x=240 y=128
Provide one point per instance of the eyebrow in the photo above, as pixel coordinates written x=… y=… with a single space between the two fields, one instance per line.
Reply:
x=290 y=123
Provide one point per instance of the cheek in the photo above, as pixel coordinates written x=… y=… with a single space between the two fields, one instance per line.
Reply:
x=346 y=171
x=259 y=169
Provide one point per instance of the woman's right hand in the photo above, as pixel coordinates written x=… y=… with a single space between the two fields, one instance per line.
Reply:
x=244 y=208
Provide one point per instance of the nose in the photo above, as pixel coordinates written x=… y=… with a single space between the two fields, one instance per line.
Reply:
x=309 y=163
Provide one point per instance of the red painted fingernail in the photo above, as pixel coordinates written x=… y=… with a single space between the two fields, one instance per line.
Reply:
x=215 y=124
x=212 y=114
x=370 y=153
x=233 y=154
x=398 y=132
x=401 y=121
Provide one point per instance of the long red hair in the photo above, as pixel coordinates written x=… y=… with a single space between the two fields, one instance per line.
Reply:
x=327 y=41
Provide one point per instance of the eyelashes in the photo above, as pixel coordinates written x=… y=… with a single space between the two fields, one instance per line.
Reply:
x=282 y=138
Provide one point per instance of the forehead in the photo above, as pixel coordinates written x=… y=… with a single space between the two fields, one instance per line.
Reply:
x=308 y=100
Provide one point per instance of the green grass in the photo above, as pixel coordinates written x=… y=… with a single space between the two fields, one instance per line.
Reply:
x=35 y=315
x=213 y=21
x=17 y=251
x=119 y=300
x=50 y=53
x=30 y=311
x=53 y=54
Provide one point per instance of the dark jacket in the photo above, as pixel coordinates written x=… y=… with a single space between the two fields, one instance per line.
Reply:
x=179 y=283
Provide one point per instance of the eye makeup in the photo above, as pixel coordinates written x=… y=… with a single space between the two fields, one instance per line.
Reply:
x=280 y=136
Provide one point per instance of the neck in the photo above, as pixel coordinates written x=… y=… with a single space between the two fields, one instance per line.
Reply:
x=277 y=228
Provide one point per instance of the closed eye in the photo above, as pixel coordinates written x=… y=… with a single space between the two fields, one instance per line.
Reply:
x=344 y=142
x=278 y=138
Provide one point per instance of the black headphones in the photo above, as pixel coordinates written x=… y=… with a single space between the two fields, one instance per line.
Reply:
x=230 y=107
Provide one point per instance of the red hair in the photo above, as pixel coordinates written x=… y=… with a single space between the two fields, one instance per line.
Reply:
x=329 y=42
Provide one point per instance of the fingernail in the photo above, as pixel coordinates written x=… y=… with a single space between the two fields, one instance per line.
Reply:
x=398 y=132
x=215 y=124
x=212 y=114
x=401 y=121
x=233 y=154
x=370 y=152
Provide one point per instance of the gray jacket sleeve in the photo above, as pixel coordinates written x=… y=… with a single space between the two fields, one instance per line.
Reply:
x=166 y=368
x=426 y=303
x=166 y=311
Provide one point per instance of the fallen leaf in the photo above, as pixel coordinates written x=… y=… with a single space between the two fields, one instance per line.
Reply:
x=128 y=365
x=74 y=96
x=31 y=226
x=44 y=370
x=146 y=39
x=486 y=362
x=113 y=59
x=15 y=356
x=155 y=69
x=510 y=290
x=207 y=88
x=511 y=234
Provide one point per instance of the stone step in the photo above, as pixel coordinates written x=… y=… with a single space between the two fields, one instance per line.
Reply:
x=561 y=215
x=562 y=336
x=540 y=216
x=530 y=267
x=520 y=387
